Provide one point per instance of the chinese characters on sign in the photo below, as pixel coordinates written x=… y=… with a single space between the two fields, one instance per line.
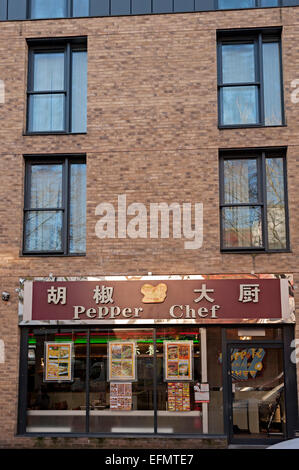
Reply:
x=199 y=300
x=103 y=295
x=249 y=293
x=203 y=294
x=57 y=296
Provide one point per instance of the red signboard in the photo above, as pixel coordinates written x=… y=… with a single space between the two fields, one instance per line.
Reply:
x=197 y=300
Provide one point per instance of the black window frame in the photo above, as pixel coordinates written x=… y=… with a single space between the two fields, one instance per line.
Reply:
x=69 y=11
x=291 y=402
x=258 y=37
x=66 y=161
x=260 y=155
x=67 y=46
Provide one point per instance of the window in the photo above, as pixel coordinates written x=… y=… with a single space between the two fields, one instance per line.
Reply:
x=250 y=80
x=92 y=401
x=236 y=4
x=57 y=87
x=58 y=8
x=253 y=199
x=55 y=203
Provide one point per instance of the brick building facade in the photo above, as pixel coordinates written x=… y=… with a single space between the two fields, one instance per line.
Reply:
x=152 y=134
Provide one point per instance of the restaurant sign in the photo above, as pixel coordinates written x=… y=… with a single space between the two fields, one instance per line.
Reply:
x=175 y=300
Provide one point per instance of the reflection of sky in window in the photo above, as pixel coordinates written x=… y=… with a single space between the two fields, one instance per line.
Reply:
x=77 y=208
x=236 y=4
x=275 y=203
x=242 y=227
x=240 y=181
x=46 y=186
x=275 y=180
x=272 y=83
x=80 y=7
x=238 y=65
x=48 y=8
x=240 y=105
x=48 y=71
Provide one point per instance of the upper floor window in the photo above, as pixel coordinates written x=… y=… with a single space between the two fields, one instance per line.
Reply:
x=250 y=79
x=58 y=8
x=253 y=199
x=55 y=206
x=236 y=4
x=57 y=87
x=34 y=9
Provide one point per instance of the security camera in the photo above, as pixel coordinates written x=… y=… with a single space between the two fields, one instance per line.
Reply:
x=5 y=296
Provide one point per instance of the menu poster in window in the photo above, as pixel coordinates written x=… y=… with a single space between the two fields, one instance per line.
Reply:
x=121 y=396
x=178 y=396
x=58 y=363
x=122 y=357
x=178 y=360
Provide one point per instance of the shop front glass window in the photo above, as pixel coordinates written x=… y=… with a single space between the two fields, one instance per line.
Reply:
x=121 y=381
x=189 y=392
x=56 y=392
x=139 y=381
x=178 y=373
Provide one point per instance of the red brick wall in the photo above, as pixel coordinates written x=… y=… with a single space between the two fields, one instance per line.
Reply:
x=152 y=135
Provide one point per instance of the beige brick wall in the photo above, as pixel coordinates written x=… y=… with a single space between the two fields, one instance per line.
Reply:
x=152 y=135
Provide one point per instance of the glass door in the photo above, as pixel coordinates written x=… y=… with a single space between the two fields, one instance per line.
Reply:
x=256 y=392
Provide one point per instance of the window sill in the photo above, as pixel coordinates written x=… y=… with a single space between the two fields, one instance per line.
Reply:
x=51 y=255
x=250 y=126
x=30 y=134
x=254 y=252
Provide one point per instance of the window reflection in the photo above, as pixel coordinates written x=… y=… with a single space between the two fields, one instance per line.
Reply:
x=252 y=217
x=242 y=227
x=276 y=203
x=125 y=405
x=56 y=406
x=80 y=7
x=250 y=94
x=240 y=105
x=272 y=83
x=258 y=392
x=48 y=9
x=236 y=4
x=121 y=411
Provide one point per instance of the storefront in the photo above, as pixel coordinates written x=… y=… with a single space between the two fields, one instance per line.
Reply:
x=180 y=356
